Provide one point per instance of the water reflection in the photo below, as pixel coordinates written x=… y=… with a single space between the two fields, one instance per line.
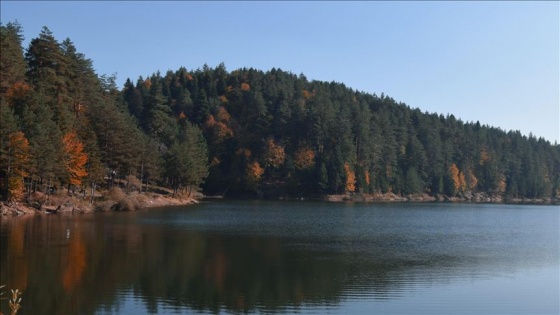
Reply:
x=84 y=264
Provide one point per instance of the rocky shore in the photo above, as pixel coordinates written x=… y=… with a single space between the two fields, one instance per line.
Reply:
x=480 y=197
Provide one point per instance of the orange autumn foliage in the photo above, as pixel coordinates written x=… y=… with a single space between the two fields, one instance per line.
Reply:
x=458 y=178
x=274 y=154
x=19 y=152
x=182 y=116
x=472 y=181
x=223 y=114
x=210 y=121
x=245 y=87
x=304 y=158
x=148 y=83
x=350 y=178
x=17 y=90
x=254 y=172
x=219 y=130
x=223 y=99
x=75 y=158
x=368 y=179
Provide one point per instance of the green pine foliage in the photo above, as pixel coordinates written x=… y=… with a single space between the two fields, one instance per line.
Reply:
x=253 y=133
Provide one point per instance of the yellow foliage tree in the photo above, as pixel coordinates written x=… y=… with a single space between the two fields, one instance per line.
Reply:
x=350 y=178
x=458 y=178
x=75 y=158
x=454 y=173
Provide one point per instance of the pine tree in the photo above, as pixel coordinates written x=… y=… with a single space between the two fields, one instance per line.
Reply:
x=12 y=63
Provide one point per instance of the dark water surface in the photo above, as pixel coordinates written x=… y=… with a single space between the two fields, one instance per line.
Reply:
x=288 y=257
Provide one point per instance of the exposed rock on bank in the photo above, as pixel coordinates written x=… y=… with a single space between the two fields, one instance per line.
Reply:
x=481 y=197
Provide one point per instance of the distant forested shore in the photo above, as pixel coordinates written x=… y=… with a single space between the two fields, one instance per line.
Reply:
x=243 y=133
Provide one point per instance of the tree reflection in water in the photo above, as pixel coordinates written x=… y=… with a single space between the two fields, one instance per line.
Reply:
x=87 y=263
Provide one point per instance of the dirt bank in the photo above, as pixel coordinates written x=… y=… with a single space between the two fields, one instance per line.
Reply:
x=112 y=200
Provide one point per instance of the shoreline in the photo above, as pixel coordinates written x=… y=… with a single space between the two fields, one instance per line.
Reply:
x=467 y=198
x=136 y=201
x=37 y=205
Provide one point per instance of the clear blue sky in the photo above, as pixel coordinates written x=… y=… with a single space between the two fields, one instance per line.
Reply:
x=495 y=62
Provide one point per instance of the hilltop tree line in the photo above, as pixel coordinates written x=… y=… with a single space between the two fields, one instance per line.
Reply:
x=242 y=133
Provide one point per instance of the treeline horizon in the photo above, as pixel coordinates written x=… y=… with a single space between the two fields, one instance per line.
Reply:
x=245 y=133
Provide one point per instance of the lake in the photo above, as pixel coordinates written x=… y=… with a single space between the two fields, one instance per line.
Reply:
x=287 y=257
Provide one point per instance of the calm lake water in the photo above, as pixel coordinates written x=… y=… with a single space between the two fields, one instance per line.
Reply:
x=288 y=257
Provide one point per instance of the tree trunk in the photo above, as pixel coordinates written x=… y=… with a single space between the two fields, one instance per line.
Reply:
x=92 y=191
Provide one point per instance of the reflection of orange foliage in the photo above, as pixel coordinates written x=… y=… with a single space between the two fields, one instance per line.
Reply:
x=75 y=158
x=304 y=158
x=245 y=87
x=216 y=270
x=350 y=178
x=19 y=266
x=76 y=263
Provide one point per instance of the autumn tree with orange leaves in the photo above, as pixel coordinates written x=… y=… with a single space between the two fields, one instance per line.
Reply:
x=304 y=158
x=18 y=157
x=75 y=158
x=350 y=178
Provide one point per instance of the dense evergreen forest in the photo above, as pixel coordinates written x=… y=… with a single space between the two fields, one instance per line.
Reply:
x=241 y=133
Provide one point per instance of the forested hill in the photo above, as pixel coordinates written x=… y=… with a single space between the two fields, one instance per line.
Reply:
x=242 y=133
